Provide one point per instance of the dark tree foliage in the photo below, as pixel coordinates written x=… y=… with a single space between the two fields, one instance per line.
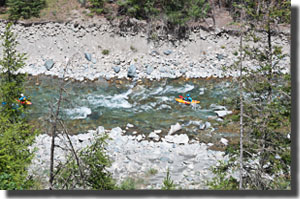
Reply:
x=11 y=84
x=25 y=8
x=176 y=11
x=2 y=2
x=267 y=105
x=15 y=134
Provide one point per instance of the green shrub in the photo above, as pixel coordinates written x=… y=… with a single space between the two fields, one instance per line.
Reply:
x=15 y=134
x=25 y=8
x=168 y=184
x=97 y=6
x=15 y=157
x=92 y=173
x=128 y=184
x=152 y=171
x=133 y=49
x=105 y=52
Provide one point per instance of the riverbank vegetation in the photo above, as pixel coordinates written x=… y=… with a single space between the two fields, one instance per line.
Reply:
x=176 y=16
x=15 y=133
x=260 y=161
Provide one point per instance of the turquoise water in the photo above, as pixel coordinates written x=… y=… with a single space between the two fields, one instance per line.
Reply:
x=147 y=105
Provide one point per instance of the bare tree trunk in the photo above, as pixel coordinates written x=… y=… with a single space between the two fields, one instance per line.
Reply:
x=55 y=119
x=65 y=130
x=53 y=135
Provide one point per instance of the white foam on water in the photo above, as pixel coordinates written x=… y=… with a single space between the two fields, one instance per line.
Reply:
x=169 y=89
x=164 y=98
x=157 y=91
x=195 y=106
x=164 y=106
x=115 y=101
x=184 y=89
x=79 y=112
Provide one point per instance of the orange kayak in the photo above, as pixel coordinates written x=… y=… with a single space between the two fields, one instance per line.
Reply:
x=26 y=102
x=186 y=102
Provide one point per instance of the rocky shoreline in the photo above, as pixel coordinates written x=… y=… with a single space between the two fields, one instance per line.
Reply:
x=97 y=49
x=188 y=160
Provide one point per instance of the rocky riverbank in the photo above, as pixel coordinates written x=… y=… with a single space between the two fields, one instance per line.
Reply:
x=101 y=49
x=133 y=156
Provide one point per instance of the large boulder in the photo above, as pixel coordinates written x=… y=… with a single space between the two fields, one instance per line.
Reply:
x=100 y=130
x=115 y=133
x=207 y=125
x=153 y=136
x=131 y=71
x=202 y=126
x=177 y=139
x=94 y=61
x=117 y=69
x=174 y=128
x=182 y=71
x=149 y=70
x=49 y=64
x=154 y=53
x=215 y=107
x=223 y=113
x=167 y=52
x=224 y=141
x=88 y=56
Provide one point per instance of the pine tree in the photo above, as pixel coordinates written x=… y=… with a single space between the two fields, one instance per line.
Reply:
x=15 y=134
x=11 y=83
x=25 y=8
x=266 y=106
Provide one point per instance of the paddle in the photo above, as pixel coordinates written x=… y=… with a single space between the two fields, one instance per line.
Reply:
x=180 y=96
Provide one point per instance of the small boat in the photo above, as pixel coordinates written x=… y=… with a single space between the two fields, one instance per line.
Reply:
x=186 y=102
x=24 y=102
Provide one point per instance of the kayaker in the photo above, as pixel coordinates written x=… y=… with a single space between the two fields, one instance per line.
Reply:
x=23 y=99
x=188 y=98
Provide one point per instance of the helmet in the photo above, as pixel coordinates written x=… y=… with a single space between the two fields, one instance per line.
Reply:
x=188 y=95
x=22 y=94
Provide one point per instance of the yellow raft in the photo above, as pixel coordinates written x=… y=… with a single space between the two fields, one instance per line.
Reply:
x=186 y=102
